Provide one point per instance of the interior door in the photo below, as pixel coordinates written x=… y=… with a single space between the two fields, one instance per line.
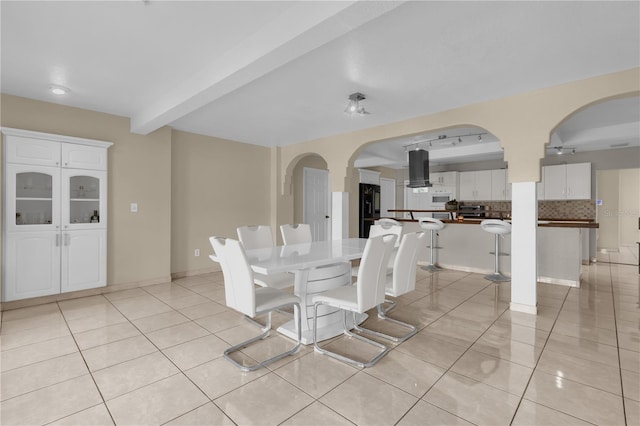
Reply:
x=387 y=197
x=316 y=202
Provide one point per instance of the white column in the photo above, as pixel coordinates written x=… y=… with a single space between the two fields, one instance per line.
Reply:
x=524 y=258
x=339 y=215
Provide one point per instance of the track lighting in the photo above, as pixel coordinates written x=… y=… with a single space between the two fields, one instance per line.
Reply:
x=559 y=150
x=444 y=140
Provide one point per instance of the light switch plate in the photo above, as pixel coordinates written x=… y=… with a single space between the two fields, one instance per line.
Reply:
x=134 y=207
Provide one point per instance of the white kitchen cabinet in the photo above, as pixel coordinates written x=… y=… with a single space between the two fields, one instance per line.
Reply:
x=55 y=227
x=32 y=264
x=475 y=186
x=449 y=179
x=78 y=156
x=23 y=149
x=540 y=186
x=579 y=181
x=84 y=260
x=567 y=182
x=499 y=185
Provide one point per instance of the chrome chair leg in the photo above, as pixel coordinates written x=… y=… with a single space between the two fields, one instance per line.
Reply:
x=266 y=329
x=346 y=332
x=382 y=315
x=432 y=266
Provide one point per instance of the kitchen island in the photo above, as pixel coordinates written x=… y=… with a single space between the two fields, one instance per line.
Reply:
x=464 y=246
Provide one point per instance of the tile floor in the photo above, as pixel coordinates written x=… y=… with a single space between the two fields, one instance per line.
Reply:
x=153 y=356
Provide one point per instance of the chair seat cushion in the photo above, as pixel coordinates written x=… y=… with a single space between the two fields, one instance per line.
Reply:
x=282 y=280
x=342 y=297
x=268 y=298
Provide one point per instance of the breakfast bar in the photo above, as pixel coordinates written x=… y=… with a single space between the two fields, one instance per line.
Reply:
x=464 y=246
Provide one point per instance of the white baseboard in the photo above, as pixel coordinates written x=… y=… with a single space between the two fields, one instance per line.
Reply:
x=527 y=309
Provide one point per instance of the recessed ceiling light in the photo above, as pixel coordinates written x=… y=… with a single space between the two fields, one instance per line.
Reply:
x=58 y=90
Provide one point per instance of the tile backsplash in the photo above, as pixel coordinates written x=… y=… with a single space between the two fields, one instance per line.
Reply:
x=570 y=209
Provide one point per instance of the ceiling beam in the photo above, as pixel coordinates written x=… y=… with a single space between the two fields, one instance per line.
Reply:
x=299 y=30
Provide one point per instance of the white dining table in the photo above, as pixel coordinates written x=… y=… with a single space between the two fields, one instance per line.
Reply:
x=317 y=266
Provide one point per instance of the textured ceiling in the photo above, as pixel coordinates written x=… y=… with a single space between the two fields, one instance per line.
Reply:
x=279 y=73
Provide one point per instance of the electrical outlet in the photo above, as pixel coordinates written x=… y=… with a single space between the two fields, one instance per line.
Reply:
x=134 y=208
x=196 y=252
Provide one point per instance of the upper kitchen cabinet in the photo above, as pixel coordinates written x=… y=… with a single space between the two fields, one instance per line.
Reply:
x=475 y=185
x=567 y=182
x=20 y=149
x=75 y=156
x=500 y=187
x=444 y=178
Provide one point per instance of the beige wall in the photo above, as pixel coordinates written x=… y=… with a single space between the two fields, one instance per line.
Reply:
x=217 y=185
x=139 y=171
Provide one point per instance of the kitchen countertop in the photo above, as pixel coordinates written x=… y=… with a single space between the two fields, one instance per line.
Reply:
x=547 y=223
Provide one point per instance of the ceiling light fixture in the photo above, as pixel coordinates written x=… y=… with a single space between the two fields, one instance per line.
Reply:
x=354 y=107
x=560 y=150
x=58 y=90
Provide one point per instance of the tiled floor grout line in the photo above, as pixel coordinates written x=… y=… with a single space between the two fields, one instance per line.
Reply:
x=568 y=304
x=86 y=365
x=457 y=359
x=535 y=367
x=180 y=371
x=615 y=322
x=363 y=370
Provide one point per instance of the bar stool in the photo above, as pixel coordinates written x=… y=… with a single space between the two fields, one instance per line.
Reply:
x=498 y=228
x=433 y=225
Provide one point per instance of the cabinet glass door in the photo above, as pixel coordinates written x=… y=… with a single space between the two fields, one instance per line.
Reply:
x=85 y=192
x=33 y=202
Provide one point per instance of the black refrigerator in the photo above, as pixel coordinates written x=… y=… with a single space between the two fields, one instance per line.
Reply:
x=369 y=207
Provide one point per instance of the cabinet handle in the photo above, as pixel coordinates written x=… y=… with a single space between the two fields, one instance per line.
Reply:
x=57 y=240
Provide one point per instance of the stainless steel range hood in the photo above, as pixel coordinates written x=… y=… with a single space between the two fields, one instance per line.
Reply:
x=418 y=169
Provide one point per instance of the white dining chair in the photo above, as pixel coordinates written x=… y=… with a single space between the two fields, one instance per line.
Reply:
x=296 y=234
x=367 y=293
x=384 y=227
x=242 y=296
x=401 y=281
x=257 y=237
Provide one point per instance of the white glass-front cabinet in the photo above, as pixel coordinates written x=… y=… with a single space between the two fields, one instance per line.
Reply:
x=55 y=228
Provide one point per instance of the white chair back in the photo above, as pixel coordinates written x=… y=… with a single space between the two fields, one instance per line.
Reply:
x=296 y=234
x=404 y=266
x=255 y=236
x=386 y=222
x=385 y=228
x=238 y=275
x=373 y=271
